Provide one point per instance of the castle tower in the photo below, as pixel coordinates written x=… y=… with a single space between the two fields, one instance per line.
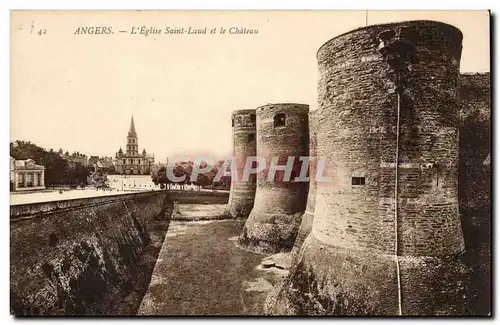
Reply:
x=475 y=182
x=242 y=194
x=132 y=141
x=386 y=236
x=273 y=224
x=307 y=217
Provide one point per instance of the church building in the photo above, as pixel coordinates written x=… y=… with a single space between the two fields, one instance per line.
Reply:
x=131 y=162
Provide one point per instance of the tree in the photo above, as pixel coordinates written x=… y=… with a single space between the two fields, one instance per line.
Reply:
x=55 y=169
x=101 y=181
x=79 y=174
x=225 y=181
x=203 y=180
x=160 y=177
x=181 y=170
x=21 y=150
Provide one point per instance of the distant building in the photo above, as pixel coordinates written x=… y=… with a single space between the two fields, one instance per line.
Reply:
x=156 y=167
x=26 y=175
x=102 y=164
x=93 y=160
x=105 y=165
x=74 y=158
x=131 y=162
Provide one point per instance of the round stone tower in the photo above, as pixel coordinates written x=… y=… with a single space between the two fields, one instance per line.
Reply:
x=386 y=236
x=282 y=132
x=242 y=193
x=307 y=217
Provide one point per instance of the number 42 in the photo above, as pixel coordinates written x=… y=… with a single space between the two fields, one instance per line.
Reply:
x=42 y=32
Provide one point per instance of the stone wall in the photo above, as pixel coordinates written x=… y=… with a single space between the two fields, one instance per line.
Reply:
x=474 y=187
x=356 y=225
x=279 y=204
x=201 y=197
x=79 y=257
x=244 y=145
x=307 y=217
x=475 y=135
x=357 y=132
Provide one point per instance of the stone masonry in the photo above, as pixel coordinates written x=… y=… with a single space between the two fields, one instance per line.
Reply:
x=307 y=217
x=242 y=194
x=474 y=185
x=282 y=131
x=385 y=221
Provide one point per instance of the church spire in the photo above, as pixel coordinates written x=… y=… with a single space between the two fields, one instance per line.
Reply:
x=131 y=132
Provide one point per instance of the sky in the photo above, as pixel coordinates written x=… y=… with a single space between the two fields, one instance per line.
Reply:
x=78 y=92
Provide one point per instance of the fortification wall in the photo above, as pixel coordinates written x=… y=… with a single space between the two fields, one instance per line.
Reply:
x=202 y=197
x=242 y=193
x=474 y=187
x=356 y=226
x=282 y=131
x=475 y=134
x=357 y=131
x=307 y=217
x=79 y=257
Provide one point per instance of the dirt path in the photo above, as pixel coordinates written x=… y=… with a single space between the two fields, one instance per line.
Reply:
x=200 y=271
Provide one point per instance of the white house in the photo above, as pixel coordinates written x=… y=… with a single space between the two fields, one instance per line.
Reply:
x=26 y=175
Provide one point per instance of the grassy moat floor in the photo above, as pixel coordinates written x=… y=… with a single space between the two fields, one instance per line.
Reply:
x=201 y=271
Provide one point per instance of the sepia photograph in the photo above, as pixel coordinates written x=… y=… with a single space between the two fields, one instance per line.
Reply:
x=250 y=163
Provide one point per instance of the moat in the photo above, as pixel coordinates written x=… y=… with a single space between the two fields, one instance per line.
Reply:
x=201 y=271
